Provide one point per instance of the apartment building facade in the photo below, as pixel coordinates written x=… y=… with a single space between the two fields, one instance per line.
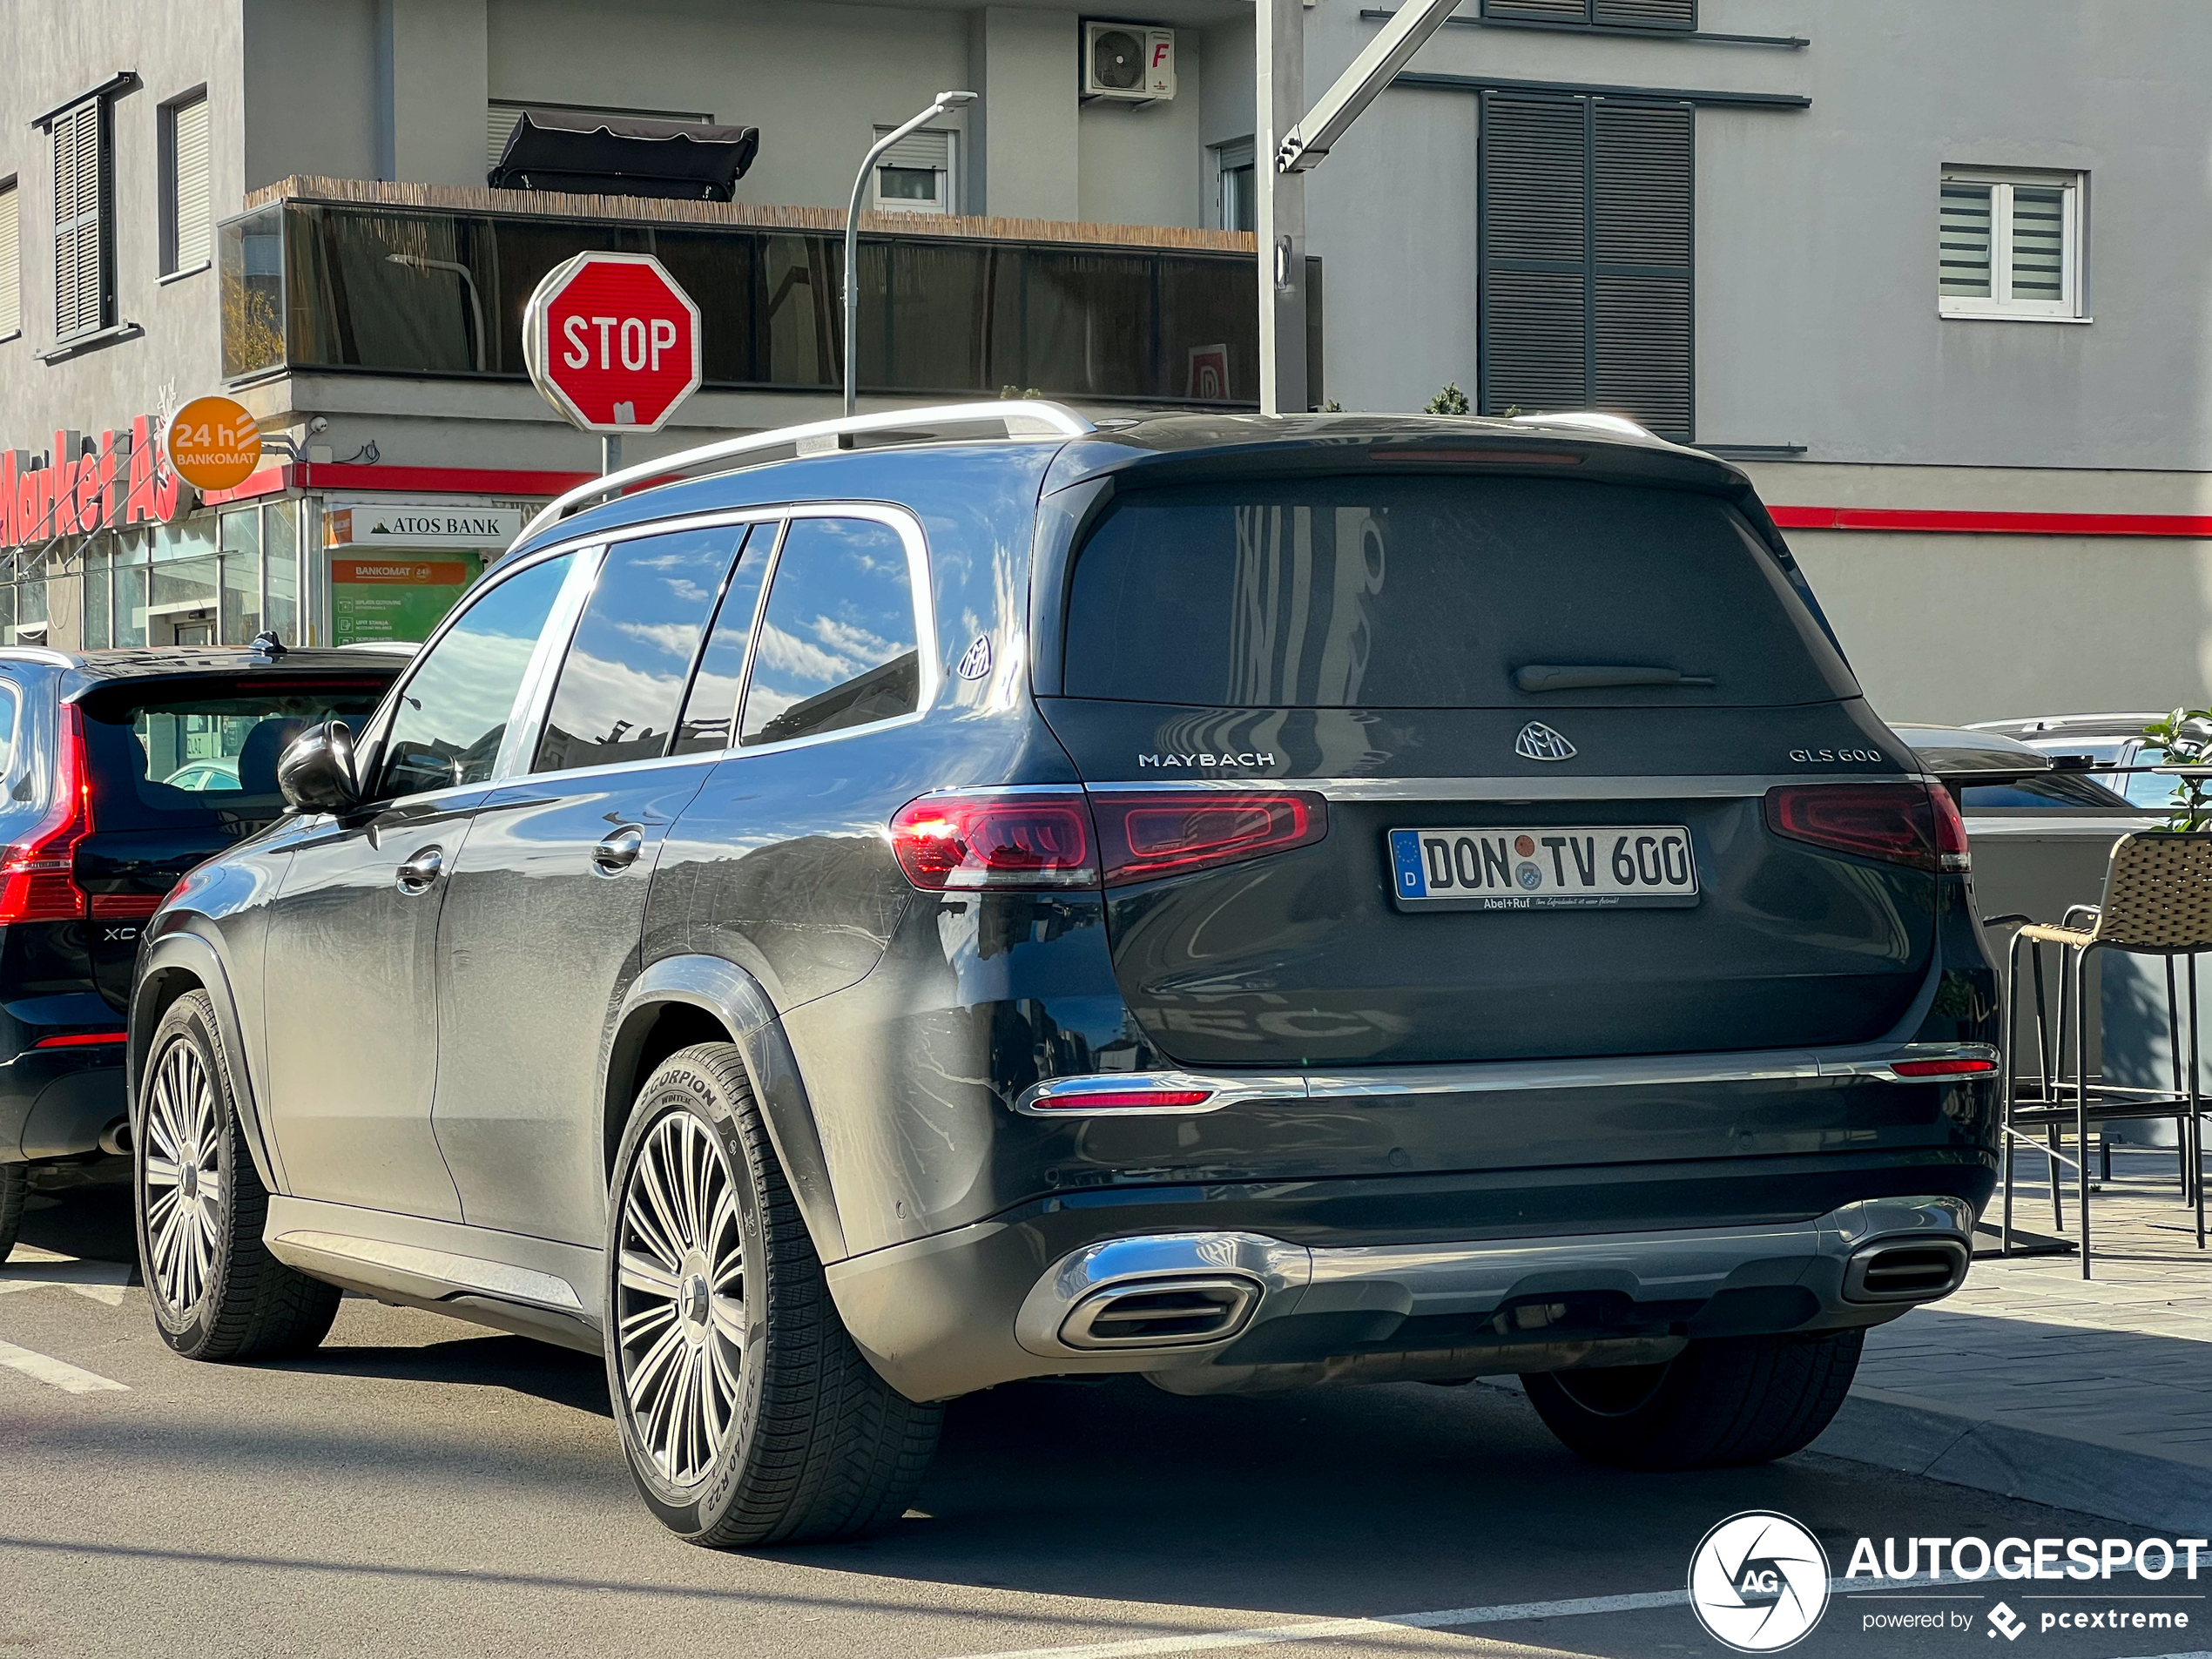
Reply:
x=1930 y=273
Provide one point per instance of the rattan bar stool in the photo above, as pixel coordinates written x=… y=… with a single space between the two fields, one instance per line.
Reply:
x=2157 y=902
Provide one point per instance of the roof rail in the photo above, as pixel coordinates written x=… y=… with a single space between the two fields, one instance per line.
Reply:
x=1014 y=418
x=36 y=654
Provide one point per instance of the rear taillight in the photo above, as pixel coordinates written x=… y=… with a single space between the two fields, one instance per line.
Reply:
x=38 y=873
x=1123 y=1099
x=81 y=1040
x=1017 y=839
x=1059 y=838
x=1899 y=823
x=1170 y=831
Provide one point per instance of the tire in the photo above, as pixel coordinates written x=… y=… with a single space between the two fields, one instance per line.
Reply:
x=15 y=1186
x=1721 y=1403
x=217 y=1293
x=748 y=1414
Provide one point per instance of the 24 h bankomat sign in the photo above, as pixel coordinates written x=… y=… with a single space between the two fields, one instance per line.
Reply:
x=612 y=341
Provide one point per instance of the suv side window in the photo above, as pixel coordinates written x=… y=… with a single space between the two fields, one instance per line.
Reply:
x=836 y=642
x=710 y=706
x=622 y=682
x=454 y=709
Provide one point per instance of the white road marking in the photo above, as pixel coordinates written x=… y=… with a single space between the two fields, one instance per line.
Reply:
x=32 y=1268
x=1341 y=1630
x=58 y=1372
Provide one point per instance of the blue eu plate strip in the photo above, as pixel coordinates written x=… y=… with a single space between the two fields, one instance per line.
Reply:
x=1405 y=860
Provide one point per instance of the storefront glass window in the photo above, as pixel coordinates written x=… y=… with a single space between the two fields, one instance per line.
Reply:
x=280 y=542
x=99 y=616
x=127 y=581
x=241 y=539
x=30 y=612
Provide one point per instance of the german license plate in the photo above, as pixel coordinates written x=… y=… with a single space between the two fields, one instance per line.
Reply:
x=1611 y=868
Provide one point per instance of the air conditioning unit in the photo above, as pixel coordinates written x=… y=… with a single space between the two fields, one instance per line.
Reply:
x=1132 y=62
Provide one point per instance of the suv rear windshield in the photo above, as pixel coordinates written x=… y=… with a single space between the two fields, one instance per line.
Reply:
x=1431 y=592
x=203 y=753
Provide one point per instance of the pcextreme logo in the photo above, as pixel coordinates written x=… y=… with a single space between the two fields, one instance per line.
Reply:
x=1758 y=1582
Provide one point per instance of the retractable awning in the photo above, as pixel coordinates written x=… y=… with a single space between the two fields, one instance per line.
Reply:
x=624 y=155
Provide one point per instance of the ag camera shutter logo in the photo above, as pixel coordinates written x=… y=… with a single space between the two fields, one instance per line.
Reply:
x=1758 y=1582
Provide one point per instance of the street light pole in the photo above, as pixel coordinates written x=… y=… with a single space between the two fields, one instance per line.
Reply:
x=942 y=102
x=1280 y=52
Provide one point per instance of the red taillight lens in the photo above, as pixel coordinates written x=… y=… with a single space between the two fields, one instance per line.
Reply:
x=1123 y=1099
x=81 y=1039
x=1168 y=831
x=1957 y=1068
x=1039 y=838
x=37 y=873
x=1897 y=823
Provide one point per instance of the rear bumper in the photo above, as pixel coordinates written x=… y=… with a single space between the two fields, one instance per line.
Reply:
x=55 y=1102
x=985 y=1305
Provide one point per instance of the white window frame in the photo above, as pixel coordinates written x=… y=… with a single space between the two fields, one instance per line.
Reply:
x=2001 y=305
x=949 y=188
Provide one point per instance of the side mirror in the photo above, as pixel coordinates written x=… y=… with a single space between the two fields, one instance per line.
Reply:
x=315 y=771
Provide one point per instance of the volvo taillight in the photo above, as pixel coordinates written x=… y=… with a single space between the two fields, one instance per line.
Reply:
x=1150 y=833
x=39 y=872
x=1910 y=823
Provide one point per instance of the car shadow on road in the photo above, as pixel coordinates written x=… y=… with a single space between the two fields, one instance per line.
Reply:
x=486 y=1359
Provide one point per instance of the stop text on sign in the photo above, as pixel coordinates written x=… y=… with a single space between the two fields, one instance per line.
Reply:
x=612 y=341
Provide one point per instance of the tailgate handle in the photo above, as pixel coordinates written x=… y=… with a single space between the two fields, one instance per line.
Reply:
x=420 y=874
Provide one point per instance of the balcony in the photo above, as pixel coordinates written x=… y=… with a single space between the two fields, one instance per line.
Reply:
x=346 y=276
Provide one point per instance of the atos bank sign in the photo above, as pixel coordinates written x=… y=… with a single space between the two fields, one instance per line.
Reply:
x=81 y=485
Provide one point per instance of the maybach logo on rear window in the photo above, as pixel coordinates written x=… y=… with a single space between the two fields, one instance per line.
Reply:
x=1248 y=758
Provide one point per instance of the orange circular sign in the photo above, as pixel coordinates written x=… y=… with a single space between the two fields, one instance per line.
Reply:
x=213 y=443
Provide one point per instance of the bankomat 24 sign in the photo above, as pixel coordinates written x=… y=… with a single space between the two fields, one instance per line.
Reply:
x=81 y=486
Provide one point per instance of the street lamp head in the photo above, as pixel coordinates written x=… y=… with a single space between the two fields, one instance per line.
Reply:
x=953 y=100
x=415 y=259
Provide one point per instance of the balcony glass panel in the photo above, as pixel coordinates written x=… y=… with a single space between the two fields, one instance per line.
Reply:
x=325 y=287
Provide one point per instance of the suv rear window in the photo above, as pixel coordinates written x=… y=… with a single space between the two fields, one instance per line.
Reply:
x=1431 y=592
x=203 y=753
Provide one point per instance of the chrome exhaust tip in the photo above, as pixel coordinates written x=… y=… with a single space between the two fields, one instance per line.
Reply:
x=115 y=1139
x=1906 y=1269
x=1161 y=1313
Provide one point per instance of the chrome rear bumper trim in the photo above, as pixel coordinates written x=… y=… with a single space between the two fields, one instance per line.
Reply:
x=1688 y=786
x=1874 y=1061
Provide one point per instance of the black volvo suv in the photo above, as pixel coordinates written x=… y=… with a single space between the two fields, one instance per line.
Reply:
x=119 y=770
x=965 y=895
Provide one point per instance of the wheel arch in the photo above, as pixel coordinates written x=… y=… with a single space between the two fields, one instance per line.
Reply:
x=682 y=999
x=179 y=961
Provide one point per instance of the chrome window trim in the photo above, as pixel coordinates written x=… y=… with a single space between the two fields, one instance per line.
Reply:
x=1688 y=786
x=1501 y=1077
x=534 y=696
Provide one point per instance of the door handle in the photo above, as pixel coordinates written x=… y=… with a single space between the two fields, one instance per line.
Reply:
x=620 y=851
x=421 y=873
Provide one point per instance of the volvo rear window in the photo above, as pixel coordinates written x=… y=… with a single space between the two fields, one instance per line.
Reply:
x=200 y=754
x=1437 y=592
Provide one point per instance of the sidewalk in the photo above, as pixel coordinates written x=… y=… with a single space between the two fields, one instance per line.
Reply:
x=2093 y=1396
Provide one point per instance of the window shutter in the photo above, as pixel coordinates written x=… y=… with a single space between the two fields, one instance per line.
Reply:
x=10 y=265
x=1534 y=302
x=195 y=229
x=2039 y=233
x=1640 y=218
x=1648 y=14
x=1587 y=298
x=1538 y=10
x=924 y=149
x=80 y=240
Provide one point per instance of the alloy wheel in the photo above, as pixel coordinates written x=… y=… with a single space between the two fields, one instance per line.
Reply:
x=183 y=1177
x=680 y=1298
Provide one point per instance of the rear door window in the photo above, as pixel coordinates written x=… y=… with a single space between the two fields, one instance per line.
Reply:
x=199 y=753
x=1434 y=592
x=622 y=684
x=835 y=647
x=454 y=710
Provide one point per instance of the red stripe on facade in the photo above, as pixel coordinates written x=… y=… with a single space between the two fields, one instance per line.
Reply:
x=1949 y=523
x=458 y=480
x=270 y=481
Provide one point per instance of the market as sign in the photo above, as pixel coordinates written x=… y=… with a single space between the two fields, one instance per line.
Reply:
x=80 y=487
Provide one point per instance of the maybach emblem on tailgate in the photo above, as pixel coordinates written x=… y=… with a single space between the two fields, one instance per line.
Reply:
x=1539 y=742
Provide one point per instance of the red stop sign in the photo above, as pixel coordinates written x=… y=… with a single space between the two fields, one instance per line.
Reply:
x=612 y=341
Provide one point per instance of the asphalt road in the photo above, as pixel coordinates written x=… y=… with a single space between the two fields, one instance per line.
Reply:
x=423 y=1488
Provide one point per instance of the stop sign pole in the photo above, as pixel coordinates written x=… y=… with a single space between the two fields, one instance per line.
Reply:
x=612 y=341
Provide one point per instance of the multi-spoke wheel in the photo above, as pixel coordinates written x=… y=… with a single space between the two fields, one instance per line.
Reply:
x=183 y=1176
x=679 y=1297
x=747 y=1415
x=216 y=1292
